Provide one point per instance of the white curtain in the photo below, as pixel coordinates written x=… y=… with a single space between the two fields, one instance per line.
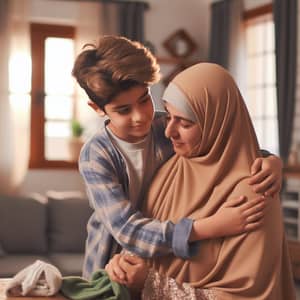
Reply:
x=5 y=170
x=15 y=70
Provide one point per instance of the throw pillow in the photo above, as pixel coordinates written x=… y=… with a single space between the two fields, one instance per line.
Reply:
x=68 y=217
x=22 y=225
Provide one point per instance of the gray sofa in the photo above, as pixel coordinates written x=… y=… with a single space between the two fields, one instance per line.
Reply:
x=52 y=230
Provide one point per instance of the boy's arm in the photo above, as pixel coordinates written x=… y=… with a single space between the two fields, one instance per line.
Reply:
x=266 y=174
x=235 y=216
x=142 y=236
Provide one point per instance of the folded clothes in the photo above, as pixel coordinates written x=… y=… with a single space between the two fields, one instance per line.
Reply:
x=38 y=279
x=99 y=287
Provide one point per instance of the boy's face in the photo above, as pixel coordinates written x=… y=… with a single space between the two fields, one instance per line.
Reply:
x=131 y=114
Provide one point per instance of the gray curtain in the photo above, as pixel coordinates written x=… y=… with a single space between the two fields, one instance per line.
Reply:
x=131 y=20
x=285 y=18
x=219 y=36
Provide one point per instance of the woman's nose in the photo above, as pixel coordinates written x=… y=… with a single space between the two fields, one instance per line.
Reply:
x=170 y=130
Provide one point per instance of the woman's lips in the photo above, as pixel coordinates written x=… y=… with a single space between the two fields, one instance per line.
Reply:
x=177 y=144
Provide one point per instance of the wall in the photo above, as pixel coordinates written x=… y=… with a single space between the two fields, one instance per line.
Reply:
x=163 y=19
x=40 y=181
x=250 y=4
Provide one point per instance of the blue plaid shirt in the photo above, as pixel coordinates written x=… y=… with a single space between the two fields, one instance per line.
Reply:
x=114 y=223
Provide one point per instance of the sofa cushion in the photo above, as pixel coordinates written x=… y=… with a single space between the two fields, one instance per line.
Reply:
x=68 y=263
x=2 y=252
x=22 y=225
x=68 y=217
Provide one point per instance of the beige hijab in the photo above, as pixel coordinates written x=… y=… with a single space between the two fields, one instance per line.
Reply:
x=247 y=266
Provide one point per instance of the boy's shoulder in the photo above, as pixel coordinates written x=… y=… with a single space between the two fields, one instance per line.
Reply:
x=97 y=145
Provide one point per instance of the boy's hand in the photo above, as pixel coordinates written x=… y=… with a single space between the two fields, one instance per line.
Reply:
x=266 y=175
x=114 y=270
x=129 y=270
x=238 y=216
x=136 y=271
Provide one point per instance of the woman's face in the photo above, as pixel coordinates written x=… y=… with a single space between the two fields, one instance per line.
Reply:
x=184 y=133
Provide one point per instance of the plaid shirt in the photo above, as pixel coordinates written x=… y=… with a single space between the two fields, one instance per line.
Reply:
x=115 y=222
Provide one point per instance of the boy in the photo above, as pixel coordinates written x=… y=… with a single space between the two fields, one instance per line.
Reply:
x=118 y=162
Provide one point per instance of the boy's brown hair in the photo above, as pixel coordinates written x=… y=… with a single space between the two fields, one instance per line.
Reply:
x=114 y=65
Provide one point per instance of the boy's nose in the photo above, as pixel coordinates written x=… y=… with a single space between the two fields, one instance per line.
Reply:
x=137 y=116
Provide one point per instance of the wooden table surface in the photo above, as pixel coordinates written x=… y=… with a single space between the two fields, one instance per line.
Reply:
x=3 y=285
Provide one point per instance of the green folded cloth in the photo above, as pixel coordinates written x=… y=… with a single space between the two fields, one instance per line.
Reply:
x=99 y=287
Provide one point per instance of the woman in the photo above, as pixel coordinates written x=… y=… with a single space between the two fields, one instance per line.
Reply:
x=214 y=140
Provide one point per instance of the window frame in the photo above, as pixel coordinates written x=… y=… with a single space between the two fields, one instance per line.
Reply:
x=39 y=33
x=258 y=11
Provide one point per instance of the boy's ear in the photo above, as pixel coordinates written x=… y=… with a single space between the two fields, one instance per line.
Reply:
x=96 y=108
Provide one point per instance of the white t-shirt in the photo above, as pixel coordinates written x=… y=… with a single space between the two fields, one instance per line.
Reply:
x=140 y=164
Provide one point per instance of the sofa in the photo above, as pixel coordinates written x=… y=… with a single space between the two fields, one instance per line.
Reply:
x=51 y=228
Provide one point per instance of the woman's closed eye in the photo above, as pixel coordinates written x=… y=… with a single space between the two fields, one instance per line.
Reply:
x=186 y=124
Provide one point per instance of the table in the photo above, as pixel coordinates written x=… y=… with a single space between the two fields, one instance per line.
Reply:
x=3 y=284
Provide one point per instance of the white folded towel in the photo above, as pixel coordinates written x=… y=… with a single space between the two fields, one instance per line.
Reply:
x=38 y=279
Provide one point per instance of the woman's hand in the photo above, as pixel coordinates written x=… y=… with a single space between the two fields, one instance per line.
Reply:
x=266 y=175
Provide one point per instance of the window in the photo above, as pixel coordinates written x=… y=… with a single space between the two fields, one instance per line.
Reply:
x=261 y=79
x=52 y=95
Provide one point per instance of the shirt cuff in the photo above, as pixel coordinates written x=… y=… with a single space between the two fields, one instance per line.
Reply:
x=180 y=243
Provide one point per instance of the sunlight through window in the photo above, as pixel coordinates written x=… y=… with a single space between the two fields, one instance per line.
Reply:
x=261 y=89
x=19 y=74
x=59 y=92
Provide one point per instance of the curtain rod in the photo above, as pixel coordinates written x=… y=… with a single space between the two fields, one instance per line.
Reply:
x=146 y=4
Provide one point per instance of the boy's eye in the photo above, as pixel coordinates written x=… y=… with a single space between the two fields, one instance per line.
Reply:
x=145 y=100
x=123 y=111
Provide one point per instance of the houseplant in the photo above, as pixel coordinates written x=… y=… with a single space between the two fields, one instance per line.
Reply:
x=75 y=141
